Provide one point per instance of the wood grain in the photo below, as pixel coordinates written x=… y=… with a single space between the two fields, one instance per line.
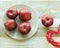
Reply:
x=39 y=39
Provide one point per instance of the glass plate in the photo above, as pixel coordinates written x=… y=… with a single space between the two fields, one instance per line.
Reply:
x=33 y=22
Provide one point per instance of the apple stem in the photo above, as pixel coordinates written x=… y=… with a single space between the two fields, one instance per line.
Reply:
x=59 y=29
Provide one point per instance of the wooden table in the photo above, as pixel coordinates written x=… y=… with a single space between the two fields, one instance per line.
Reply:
x=39 y=39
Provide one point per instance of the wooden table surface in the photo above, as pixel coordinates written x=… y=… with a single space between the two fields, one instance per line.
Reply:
x=39 y=39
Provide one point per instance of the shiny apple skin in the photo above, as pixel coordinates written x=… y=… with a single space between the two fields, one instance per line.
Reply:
x=10 y=24
x=24 y=28
x=12 y=13
x=25 y=14
x=47 y=20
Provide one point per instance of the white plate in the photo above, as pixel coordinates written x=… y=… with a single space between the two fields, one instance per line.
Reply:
x=33 y=22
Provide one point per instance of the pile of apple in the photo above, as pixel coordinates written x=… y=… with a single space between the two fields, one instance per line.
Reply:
x=24 y=27
x=24 y=15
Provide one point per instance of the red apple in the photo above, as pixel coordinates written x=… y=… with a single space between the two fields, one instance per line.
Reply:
x=10 y=24
x=12 y=13
x=24 y=28
x=25 y=14
x=47 y=20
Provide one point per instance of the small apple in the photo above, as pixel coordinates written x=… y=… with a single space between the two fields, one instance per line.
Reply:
x=10 y=24
x=25 y=14
x=47 y=20
x=12 y=13
x=24 y=28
